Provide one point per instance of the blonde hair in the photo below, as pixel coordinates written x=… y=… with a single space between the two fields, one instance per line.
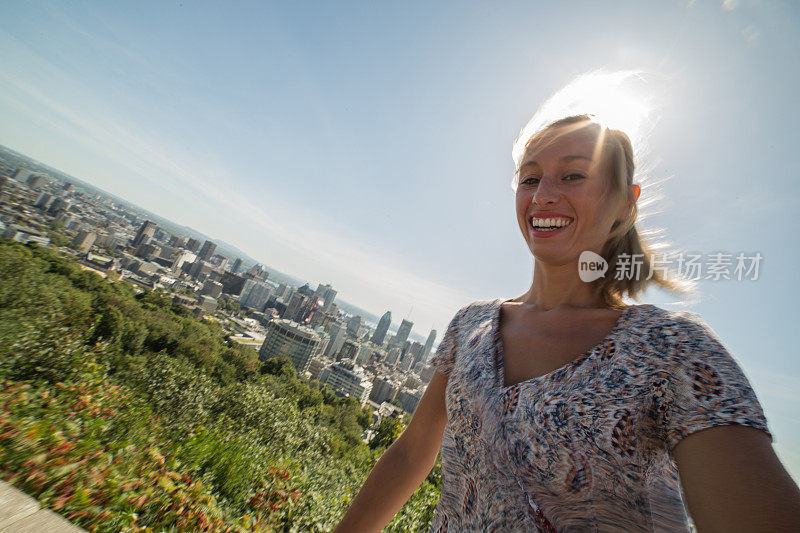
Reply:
x=615 y=151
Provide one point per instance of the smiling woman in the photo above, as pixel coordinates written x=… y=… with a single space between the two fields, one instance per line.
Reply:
x=566 y=409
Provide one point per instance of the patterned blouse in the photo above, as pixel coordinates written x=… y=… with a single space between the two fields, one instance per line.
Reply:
x=586 y=447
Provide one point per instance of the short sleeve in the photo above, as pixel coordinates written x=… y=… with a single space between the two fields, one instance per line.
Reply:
x=706 y=386
x=445 y=356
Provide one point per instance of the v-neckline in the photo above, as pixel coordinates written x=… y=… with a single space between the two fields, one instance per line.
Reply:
x=499 y=360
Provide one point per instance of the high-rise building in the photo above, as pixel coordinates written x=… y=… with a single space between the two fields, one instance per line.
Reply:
x=354 y=324
x=403 y=333
x=211 y=288
x=286 y=338
x=409 y=399
x=297 y=307
x=426 y=352
x=144 y=234
x=36 y=182
x=21 y=174
x=393 y=356
x=193 y=245
x=255 y=294
x=44 y=200
x=58 y=205
x=415 y=350
x=237 y=264
x=207 y=251
x=383 y=326
x=349 y=350
x=383 y=390
x=327 y=294
x=338 y=335
x=347 y=379
x=83 y=241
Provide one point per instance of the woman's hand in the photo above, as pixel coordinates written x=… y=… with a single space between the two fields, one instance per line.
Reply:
x=733 y=481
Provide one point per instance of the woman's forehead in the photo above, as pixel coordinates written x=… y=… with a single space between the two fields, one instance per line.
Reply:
x=577 y=144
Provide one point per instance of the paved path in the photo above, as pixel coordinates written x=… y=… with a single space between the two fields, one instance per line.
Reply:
x=19 y=513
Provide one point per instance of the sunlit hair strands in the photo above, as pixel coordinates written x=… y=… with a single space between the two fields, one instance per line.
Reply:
x=595 y=103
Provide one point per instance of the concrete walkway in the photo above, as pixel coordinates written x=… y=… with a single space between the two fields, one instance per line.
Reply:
x=19 y=513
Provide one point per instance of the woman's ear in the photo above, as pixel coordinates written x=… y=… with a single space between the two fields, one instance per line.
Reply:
x=636 y=191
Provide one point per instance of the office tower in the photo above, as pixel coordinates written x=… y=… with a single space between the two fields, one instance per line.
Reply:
x=21 y=175
x=347 y=379
x=67 y=187
x=365 y=353
x=426 y=352
x=327 y=294
x=393 y=356
x=193 y=245
x=237 y=264
x=255 y=294
x=383 y=390
x=403 y=333
x=349 y=350
x=383 y=326
x=321 y=290
x=178 y=241
x=354 y=324
x=285 y=338
x=183 y=257
x=83 y=241
x=409 y=399
x=415 y=350
x=211 y=288
x=144 y=234
x=58 y=205
x=36 y=182
x=338 y=335
x=44 y=200
x=299 y=307
x=206 y=251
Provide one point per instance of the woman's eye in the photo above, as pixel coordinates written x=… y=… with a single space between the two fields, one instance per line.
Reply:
x=530 y=180
x=574 y=177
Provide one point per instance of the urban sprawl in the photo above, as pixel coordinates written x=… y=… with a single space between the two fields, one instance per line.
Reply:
x=389 y=372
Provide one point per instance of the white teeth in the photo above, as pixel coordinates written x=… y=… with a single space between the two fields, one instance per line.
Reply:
x=550 y=222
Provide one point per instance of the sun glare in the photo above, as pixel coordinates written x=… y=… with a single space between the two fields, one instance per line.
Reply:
x=615 y=99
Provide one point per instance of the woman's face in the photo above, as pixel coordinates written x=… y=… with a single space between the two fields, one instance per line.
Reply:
x=564 y=186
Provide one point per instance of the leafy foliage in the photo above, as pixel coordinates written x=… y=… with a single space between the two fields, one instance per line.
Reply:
x=123 y=412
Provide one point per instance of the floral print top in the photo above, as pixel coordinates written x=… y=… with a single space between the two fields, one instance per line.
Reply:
x=586 y=447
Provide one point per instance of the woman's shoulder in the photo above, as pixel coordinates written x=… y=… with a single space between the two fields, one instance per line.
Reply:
x=677 y=334
x=477 y=311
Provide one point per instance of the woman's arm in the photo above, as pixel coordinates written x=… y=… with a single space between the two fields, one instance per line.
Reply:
x=733 y=481
x=402 y=467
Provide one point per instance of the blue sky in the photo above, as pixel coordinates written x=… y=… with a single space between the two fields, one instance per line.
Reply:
x=369 y=144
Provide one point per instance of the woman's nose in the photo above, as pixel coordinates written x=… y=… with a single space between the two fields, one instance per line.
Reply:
x=546 y=193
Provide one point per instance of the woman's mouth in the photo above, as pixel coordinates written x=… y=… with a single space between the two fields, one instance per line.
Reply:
x=547 y=227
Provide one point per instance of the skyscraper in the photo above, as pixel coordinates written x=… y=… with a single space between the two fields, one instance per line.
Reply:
x=286 y=338
x=206 y=251
x=144 y=234
x=354 y=324
x=383 y=326
x=193 y=245
x=236 y=265
x=426 y=352
x=403 y=332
